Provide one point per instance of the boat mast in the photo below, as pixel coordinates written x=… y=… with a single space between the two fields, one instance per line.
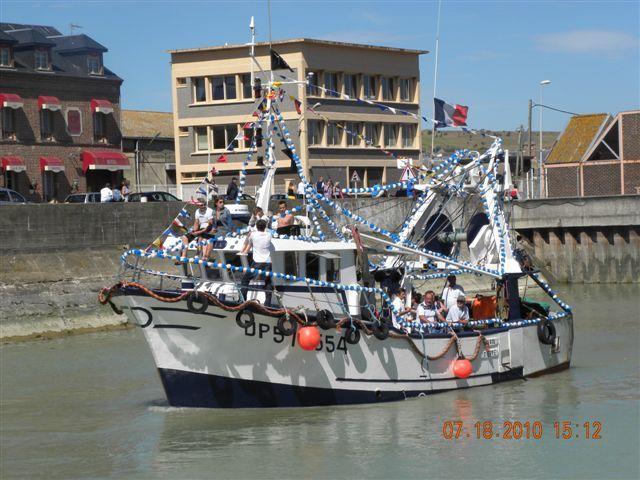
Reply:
x=435 y=80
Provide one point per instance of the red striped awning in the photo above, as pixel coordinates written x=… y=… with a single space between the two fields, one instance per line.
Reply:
x=46 y=102
x=51 y=164
x=101 y=106
x=13 y=164
x=11 y=100
x=112 y=160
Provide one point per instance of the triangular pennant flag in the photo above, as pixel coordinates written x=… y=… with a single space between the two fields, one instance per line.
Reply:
x=277 y=62
x=222 y=158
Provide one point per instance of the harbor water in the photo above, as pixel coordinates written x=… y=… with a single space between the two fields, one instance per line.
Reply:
x=93 y=406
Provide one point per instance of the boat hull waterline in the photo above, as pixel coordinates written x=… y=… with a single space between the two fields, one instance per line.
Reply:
x=207 y=360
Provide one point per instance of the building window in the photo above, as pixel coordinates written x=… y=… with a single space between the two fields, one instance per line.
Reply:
x=8 y=124
x=372 y=134
x=202 y=139
x=247 y=88
x=199 y=90
x=46 y=125
x=390 y=135
x=5 y=57
x=353 y=134
x=181 y=82
x=98 y=128
x=313 y=79
x=408 y=136
x=370 y=87
x=224 y=135
x=223 y=87
x=334 y=134
x=94 y=64
x=183 y=131
x=351 y=85
x=331 y=83
x=74 y=122
x=405 y=89
x=42 y=59
x=388 y=89
x=314 y=134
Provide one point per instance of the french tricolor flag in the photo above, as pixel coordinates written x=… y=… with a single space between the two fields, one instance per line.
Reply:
x=450 y=115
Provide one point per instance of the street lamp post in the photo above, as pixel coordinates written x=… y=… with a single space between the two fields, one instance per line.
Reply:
x=543 y=84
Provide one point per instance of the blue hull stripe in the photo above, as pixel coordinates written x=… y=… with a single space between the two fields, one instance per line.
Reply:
x=189 y=389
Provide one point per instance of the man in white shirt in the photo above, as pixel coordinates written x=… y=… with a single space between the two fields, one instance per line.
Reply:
x=399 y=304
x=459 y=312
x=260 y=242
x=202 y=226
x=430 y=311
x=301 y=189
x=451 y=292
x=106 y=195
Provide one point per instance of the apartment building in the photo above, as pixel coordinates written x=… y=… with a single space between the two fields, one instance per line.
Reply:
x=213 y=98
x=59 y=113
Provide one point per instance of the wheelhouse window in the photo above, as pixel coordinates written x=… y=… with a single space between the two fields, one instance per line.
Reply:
x=8 y=124
x=247 y=88
x=405 y=89
x=6 y=59
x=74 y=122
x=94 y=64
x=223 y=135
x=314 y=135
x=334 y=134
x=353 y=134
x=333 y=268
x=313 y=266
x=371 y=134
x=390 y=135
x=408 y=136
x=199 y=90
x=42 y=59
x=370 y=87
x=388 y=88
x=46 y=125
x=223 y=87
x=351 y=85
x=331 y=83
x=202 y=138
x=291 y=263
x=98 y=128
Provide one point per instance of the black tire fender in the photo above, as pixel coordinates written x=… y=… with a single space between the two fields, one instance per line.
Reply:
x=546 y=332
x=195 y=298
x=245 y=319
x=381 y=331
x=325 y=320
x=352 y=336
x=287 y=326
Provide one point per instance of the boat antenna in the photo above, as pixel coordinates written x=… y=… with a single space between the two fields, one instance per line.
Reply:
x=252 y=28
x=435 y=79
x=270 y=40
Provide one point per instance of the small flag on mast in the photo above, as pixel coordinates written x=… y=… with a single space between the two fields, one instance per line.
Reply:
x=450 y=115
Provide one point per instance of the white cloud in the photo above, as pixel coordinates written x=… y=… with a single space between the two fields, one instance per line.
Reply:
x=587 y=41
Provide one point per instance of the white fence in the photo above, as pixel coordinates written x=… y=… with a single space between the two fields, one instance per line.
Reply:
x=173 y=189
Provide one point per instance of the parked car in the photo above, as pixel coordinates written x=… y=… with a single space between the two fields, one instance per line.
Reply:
x=239 y=211
x=90 y=197
x=9 y=197
x=152 y=197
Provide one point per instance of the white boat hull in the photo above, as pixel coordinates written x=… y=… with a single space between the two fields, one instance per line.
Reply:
x=207 y=360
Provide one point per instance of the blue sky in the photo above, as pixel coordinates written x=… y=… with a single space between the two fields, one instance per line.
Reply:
x=493 y=54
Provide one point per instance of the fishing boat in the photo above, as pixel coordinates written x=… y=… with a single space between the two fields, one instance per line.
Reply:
x=332 y=334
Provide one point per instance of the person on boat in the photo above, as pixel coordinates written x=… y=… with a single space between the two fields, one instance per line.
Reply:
x=301 y=189
x=430 y=311
x=451 y=292
x=262 y=245
x=222 y=215
x=258 y=214
x=458 y=312
x=399 y=304
x=284 y=219
x=232 y=189
x=202 y=227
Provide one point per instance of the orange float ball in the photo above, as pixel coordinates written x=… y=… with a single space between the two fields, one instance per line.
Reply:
x=462 y=368
x=308 y=338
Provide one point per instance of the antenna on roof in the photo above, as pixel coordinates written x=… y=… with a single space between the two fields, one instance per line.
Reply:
x=73 y=26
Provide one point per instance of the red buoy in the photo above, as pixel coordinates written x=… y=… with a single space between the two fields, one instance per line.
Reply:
x=308 y=338
x=462 y=368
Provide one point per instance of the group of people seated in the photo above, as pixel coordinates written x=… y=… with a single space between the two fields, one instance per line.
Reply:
x=450 y=307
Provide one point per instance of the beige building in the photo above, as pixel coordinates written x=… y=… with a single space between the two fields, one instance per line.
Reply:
x=213 y=98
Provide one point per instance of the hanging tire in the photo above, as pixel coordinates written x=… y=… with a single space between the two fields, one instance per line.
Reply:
x=245 y=319
x=352 y=336
x=325 y=320
x=546 y=332
x=197 y=298
x=381 y=331
x=287 y=326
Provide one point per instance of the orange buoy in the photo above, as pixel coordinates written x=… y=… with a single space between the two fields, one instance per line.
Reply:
x=462 y=368
x=308 y=338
